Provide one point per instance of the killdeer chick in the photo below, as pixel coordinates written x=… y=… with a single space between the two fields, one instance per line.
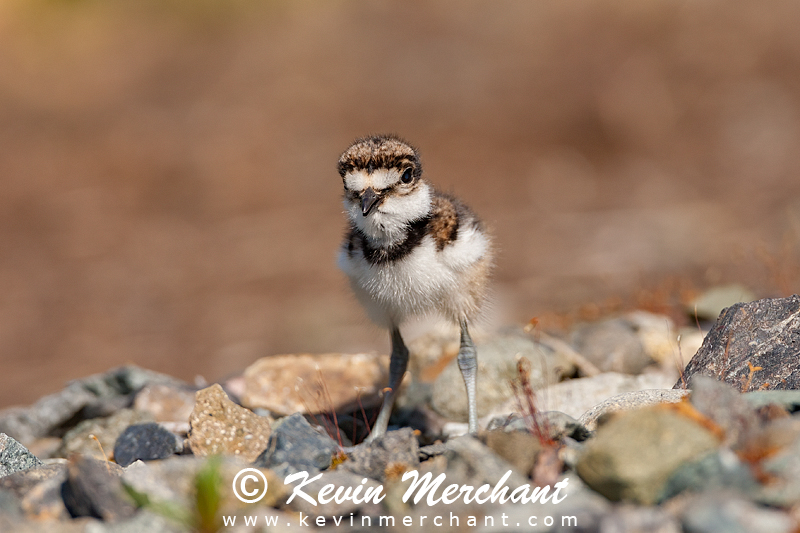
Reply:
x=410 y=250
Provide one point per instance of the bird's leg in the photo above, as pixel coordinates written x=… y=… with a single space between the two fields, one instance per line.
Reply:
x=468 y=363
x=397 y=369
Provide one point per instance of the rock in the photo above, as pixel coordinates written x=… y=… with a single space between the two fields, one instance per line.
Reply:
x=321 y=383
x=634 y=454
x=93 y=488
x=338 y=478
x=219 y=426
x=14 y=457
x=497 y=367
x=107 y=430
x=38 y=491
x=753 y=346
x=468 y=459
x=724 y=513
x=719 y=470
x=518 y=448
x=709 y=304
x=172 y=482
x=788 y=399
x=166 y=402
x=627 y=518
x=394 y=451
x=575 y=397
x=629 y=401
x=778 y=461
x=657 y=336
x=95 y=396
x=612 y=345
x=726 y=408
x=142 y=522
x=295 y=446
x=146 y=442
x=556 y=425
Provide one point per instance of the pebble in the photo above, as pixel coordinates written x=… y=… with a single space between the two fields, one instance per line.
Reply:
x=145 y=442
x=93 y=488
x=37 y=491
x=393 y=451
x=633 y=455
x=324 y=383
x=166 y=402
x=296 y=446
x=219 y=426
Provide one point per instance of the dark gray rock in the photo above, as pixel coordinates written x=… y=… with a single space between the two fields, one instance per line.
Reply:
x=765 y=334
x=146 y=442
x=93 y=488
x=14 y=457
x=295 y=446
x=396 y=450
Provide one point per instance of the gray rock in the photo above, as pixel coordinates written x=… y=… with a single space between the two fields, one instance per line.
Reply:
x=14 y=457
x=94 y=396
x=337 y=478
x=726 y=513
x=726 y=407
x=629 y=519
x=556 y=425
x=146 y=442
x=38 y=491
x=764 y=334
x=612 y=345
x=394 y=451
x=497 y=367
x=635 y=453
x=93 y=488
x=628 y=401
x=295 y=446
x=107 y=430
x=468 y=459
x=719 y=470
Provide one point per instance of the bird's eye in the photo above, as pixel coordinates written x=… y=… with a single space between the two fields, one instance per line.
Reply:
x=407 y=177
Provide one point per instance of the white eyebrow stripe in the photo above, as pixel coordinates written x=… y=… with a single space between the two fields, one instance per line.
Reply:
x=358 y=180
x=384 y=178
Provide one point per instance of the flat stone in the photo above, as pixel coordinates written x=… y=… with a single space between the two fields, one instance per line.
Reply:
x=93 y=488
x=634 y=454
x=753 y=346
x=497 y=368
x=628 y=401
x=321 y=383
x=219 y=426
x=393 y=451
x=14 y=457
x=295 y=446
x=145 y=442
x=107 y=430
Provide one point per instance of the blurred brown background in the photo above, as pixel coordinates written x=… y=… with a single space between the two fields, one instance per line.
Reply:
x=169 y=193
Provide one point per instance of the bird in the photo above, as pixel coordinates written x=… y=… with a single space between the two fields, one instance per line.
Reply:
x=410 y=250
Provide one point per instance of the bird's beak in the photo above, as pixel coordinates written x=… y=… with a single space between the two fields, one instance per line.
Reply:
x=368 y=200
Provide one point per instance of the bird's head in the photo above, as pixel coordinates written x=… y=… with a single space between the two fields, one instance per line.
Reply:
x=383 y=186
